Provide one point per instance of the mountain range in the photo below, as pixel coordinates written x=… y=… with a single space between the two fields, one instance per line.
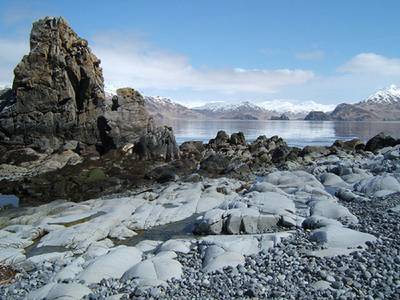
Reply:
x=384 y=105
x=165 y=109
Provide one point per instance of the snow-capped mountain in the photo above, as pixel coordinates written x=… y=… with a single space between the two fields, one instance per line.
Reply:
x=384 y=105
x=389 y=95
x=294 y=107
x=164 y=109
x=224 y=106
x=238 y=111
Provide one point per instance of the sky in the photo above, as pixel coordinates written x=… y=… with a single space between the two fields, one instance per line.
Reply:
x=226 y=50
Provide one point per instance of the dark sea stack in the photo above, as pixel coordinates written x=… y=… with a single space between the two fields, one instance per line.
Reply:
x=57 y=89
x=317 y=116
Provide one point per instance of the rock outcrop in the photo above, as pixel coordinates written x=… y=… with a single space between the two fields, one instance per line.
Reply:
x=58 y=99
x=126 y=120
x=57 y=90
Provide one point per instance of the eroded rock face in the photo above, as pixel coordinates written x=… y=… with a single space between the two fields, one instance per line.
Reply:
x=57 y=101
x=126 y=120
x=58 y=89
x=127 y=117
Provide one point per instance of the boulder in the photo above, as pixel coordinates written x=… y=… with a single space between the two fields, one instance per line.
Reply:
x=238 y=139
x=333 y=211
x=380 y=141
x=215 y=164
x=222 y=139
x=192 y=149
x=157 y=269
x=340 y=239
x=53 y=291
x=378 y=186
x=111 y=265
x=351 y=145
x=279 y=154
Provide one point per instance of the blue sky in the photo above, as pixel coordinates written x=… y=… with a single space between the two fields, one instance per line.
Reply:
x=200 y=51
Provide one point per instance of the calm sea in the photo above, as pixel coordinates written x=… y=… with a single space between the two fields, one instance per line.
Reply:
x=296 y=133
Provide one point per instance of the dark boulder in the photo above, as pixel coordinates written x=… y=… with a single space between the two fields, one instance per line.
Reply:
x=351 y=145
x=215 y=164
x=237 y=139
x=192 y=149
x=380 y=141
x=221 y=140
x=280 y=153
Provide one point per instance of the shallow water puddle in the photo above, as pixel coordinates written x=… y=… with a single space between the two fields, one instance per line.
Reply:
x=9 y=200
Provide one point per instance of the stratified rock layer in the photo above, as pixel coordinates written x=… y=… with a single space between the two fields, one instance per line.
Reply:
x=58 y=89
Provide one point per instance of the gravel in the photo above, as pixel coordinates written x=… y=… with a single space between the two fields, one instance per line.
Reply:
x=284 y=272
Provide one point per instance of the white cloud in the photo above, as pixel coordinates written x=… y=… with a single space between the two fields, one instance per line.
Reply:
x=11 y=52
x=371 y=63
x=129 y=62
x=311 y=55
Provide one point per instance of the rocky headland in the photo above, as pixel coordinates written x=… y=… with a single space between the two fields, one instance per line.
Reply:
x=112 y=208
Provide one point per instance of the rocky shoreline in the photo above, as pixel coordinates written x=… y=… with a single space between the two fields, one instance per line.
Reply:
x=323 y=228
x=112 y=208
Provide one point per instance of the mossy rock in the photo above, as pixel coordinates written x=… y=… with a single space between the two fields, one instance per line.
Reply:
x=95 y=175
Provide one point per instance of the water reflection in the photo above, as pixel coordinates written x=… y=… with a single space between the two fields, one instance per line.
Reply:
x=296 y=133
x=9 y=200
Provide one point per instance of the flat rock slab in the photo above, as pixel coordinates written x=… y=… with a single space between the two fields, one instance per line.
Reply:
x=340 y=240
